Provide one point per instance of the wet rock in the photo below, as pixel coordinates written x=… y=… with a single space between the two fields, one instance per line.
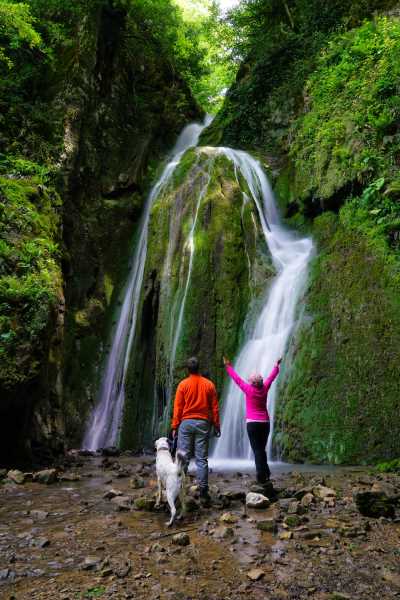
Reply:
x=47 y=476
x=136 y=483
x=254 y=500
x=286 y=535
x=144 y=503
x=122 y=502
x=295 y=508
x=91 y=563
x=39 y=515
x=386 y=488
x=307 y=500
x=292 y=520
x=229 y=517
x=222 y=532
x=4 y=573
x=16 y=476
x=235 y=495
x=284 y=503
x=181 y=539
x=69 y=477
x=255 y=574
x=191 y=505
x=121 y=568
x=110 y=451
x=340 y=596
x=328 y=495
x=85 y=452
x=269 y=525
x=112 y=493
x=40 y=542
x=374 y=504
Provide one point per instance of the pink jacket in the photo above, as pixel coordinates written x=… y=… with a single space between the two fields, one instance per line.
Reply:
x=256 y=398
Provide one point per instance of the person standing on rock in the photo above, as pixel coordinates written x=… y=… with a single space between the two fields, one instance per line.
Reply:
x=195 y=413
x=257 y=417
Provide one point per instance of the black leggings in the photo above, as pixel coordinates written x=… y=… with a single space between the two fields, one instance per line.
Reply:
x=258 y=433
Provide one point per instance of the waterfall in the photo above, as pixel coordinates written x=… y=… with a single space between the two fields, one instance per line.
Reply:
x=268 y=338
x=104 y=424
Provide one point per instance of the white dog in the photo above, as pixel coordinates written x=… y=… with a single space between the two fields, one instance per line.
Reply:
x=170 y=475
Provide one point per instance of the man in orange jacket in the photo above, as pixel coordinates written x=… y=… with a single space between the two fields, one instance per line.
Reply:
x=195 y=412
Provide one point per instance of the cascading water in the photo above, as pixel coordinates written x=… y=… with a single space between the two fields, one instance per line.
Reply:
x=269 y=337
x=104 y=424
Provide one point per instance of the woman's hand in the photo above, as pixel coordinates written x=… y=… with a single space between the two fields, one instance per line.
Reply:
x=226 y=361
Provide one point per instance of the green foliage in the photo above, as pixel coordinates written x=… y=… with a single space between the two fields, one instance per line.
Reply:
x=354 y=138
x=30 y=277
x=391 y=466
x=95 y=592
x=16 y=31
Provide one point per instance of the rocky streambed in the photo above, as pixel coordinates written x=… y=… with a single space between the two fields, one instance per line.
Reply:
x=89 y=529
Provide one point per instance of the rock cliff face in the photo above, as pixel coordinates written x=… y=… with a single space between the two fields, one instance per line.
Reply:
x=118 y=106
x=193 y=304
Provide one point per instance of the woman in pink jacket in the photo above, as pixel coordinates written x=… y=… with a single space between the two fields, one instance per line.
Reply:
x=257 y=417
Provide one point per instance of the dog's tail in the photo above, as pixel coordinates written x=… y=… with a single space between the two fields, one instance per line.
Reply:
x=181 y=461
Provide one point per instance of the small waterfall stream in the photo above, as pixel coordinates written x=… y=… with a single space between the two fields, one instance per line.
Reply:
x=104 y=424
x=268 y=339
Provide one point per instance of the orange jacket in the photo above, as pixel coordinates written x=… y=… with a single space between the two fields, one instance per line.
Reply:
x=196 y=398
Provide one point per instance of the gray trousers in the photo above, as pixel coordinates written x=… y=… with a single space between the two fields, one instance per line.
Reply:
x=193 y=436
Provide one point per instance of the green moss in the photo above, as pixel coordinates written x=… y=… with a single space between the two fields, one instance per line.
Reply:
x=339 y=399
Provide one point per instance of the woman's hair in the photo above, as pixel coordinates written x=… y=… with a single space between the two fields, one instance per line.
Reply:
x=256 y=380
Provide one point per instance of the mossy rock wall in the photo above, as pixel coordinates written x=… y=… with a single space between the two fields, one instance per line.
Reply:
x=339 y=398
x=230 y=269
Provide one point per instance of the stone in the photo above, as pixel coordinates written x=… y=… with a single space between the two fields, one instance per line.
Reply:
x=383 y=487
x=181 y=539
x=122 y=502
x=284 y=503
x=91 y=563
x=16 y=476
x=137 y=483
x=41 y=542
x=254 y=500
x=47 y=476
x=4 y=573
x=69 y=477
x=121 y=568
x=229 y=517
x=269 y=525
x=286 y=535
x=144 y=503
x=112 y=493
x=295 y=508
x=235 y=495
x=191 y=505
x=307 y=500
x=324 y=493
x=292 y=520
x=255 y=574
x=110 y=451
x=39 y=515
x=222 y=532
x=374 y=504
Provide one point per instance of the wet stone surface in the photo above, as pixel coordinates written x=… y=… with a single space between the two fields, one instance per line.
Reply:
x=68 y=539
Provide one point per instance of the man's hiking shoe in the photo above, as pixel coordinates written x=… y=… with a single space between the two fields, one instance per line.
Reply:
x=267 y=488
x=205 y=499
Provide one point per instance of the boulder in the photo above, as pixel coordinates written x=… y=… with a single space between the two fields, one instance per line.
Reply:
x=39 y=515
x=112 y=493
x=91 y=563
x=255 y=574
x=229 y=517
x=110 y=451
x=254 y=500
x=307 y=500
x=326 y=494
x=122 y=502
x=69 y=477
x=222 y=532
x=47 y=476
x=16 y=476
x=269 y=525
x=374 y=504
x=181 y=539
x=144 y=503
